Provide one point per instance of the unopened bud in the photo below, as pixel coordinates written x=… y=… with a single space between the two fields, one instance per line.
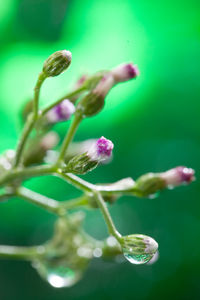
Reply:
x=148 y=184
x=138 y=248
x=99 y=151
x=93 y=102
x=177 y=176
x=57 y=63
x=61 y=112
x=124 y=72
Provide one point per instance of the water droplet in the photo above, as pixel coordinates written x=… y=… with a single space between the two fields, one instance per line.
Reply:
x=97 y=252
x=170 y=186
x=153 y=196
x=57 y=276
x=154 y=259
x=137 y=259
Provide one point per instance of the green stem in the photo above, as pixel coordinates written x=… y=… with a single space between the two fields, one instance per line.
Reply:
x=76 y=181
x=38 y=199
x=30 y=122
x=87 y=187
x=22 y=174
x=69 y=136
x=107 y=217
x=74 y=203
x=51 y=205
x=22 y=141
x=67 y=96
x=27 y=253
x=37 y=88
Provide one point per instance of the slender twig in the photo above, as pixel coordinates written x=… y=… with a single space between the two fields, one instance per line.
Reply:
x=25 y=173
x=76 y=181
x=27 y=253
x=38 y=199
x=69 y=136
x=107 y=217
x=67 y=96
x=49 y=204
x=85 y=186
x=30 y=122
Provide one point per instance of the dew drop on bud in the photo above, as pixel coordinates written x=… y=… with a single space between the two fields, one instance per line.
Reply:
x=58 y=276
x=153 y=196
x=137 y=259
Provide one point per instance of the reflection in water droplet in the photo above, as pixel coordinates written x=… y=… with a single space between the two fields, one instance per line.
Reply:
x=137 y=259
x=57 y=276
x=153 y=196
x=154 y=258
x=170 y=186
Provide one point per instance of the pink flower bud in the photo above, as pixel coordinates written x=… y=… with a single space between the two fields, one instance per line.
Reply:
x=177 y=176
x=104 y=86
x=61 y=112
x=49 y=141
x=125 y=72
x=101 y=150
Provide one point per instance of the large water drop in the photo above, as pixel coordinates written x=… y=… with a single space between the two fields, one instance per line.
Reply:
x=137 y=259
x=57 y=276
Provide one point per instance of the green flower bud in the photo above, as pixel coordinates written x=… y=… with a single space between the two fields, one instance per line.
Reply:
x=57 y=63
x=93 y=102
x=148 y=184
x=80 y=164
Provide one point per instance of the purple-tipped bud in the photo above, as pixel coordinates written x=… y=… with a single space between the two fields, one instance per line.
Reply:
x=101 y=150
x=177 y=176
x=125 y=72
x=81 y=80
x=93 y=102
x=61 y=112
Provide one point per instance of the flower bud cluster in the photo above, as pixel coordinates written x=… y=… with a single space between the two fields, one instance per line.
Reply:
x=93 y=102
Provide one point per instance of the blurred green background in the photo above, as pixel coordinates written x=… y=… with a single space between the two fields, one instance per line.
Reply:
x=152 y=121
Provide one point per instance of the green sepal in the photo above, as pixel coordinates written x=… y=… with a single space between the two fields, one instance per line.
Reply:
x=148 y=185
x=56 y=64
x=90 y=105
x=80 y=164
